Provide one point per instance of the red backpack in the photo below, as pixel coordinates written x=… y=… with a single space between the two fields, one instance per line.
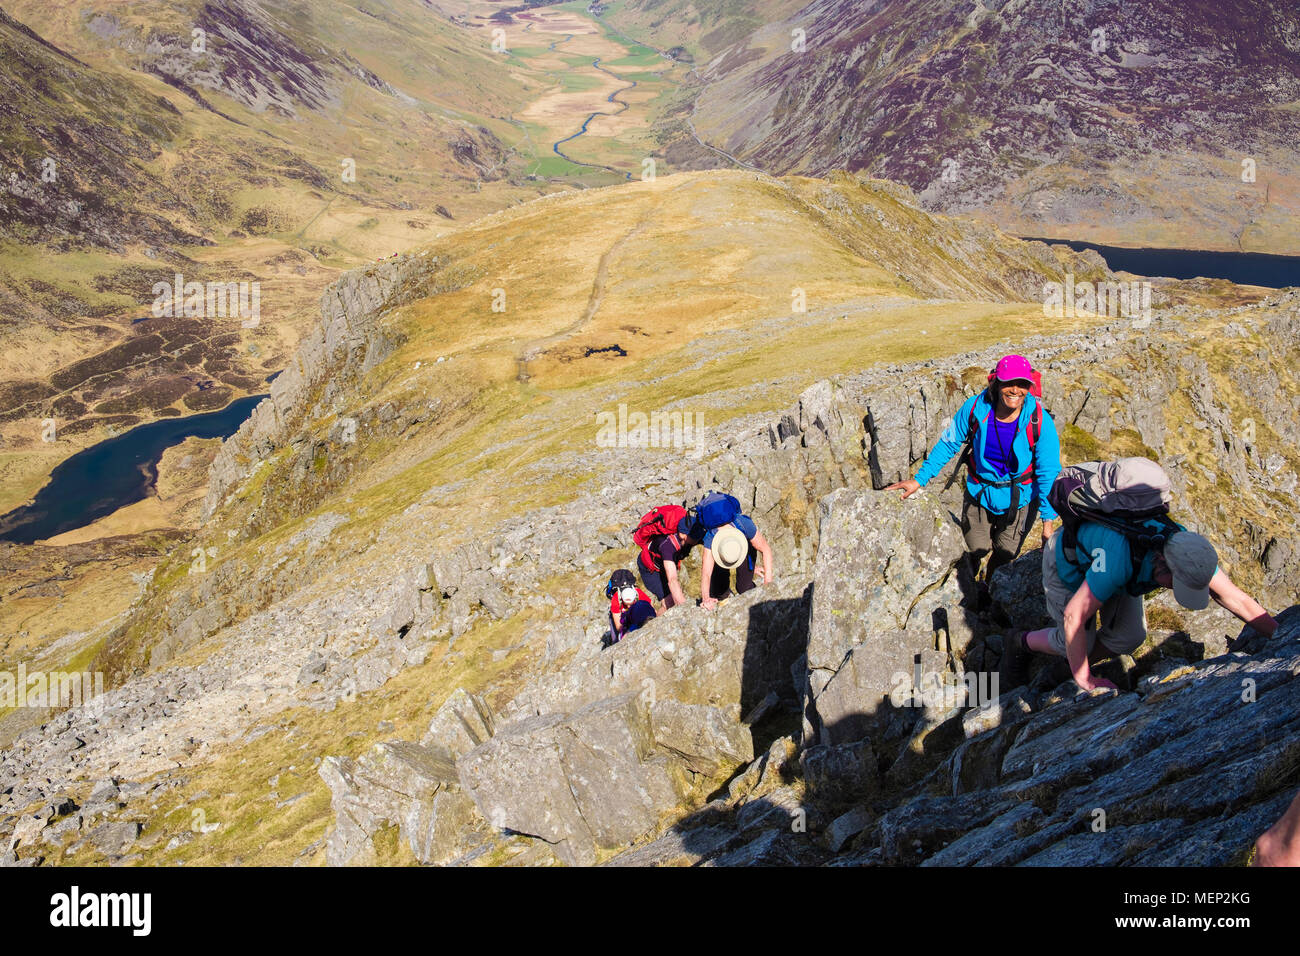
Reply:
x=653 y=524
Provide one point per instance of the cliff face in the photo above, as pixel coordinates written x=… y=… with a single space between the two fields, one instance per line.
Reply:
x=347 y=342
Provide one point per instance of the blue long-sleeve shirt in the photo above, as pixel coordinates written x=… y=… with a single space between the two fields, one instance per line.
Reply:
x=1046 y=456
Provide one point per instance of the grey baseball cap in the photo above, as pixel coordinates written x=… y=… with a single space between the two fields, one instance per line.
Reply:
x=1192 y=562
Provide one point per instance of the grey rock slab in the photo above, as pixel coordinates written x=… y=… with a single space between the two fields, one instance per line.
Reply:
x=877 y=557
x=981 y=844
x=841 y=773
x=112 y=839
x=462 y=723
x=707 y=738
x=1225 y=841
x=772 y=848
x=1115 y=846
x=784 y=809
x=925 y=824
x=1010 y=708
x=593 y=778
x=402 y=783
x=846 y=826
x=678 y=848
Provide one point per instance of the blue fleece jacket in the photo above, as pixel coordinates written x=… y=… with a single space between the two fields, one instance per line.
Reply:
x=1046 y=455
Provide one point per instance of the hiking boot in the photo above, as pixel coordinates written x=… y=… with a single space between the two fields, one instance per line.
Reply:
x=1014 y=670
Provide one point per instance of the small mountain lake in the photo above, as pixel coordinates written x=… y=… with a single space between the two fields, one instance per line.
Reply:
x=118 y=471
x=1244 y=268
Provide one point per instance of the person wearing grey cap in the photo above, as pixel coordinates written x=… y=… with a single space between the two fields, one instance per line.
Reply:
x=1102 y=576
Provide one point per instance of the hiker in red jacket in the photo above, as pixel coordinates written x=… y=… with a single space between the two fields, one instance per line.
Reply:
x=660 y=541
x=629 y=607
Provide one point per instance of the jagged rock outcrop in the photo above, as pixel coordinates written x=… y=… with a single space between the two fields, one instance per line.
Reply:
x=728 y=659
x=462 y=723
x=348 y=340
x=953 y=778
x=724 y=728
x=886 y=603
x=403 y=784
x=584 y=781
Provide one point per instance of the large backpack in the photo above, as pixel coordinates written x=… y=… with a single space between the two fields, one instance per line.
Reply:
x=1130 y=496
x=654 y=524
x=1032 y=433
x=716 y=509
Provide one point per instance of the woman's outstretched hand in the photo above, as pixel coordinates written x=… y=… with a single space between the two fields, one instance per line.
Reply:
x=911 y=486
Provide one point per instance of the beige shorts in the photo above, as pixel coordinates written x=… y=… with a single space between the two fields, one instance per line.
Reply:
x=1123 y=617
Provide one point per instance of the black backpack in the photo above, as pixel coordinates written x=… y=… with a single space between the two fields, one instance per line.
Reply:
x=622 y=578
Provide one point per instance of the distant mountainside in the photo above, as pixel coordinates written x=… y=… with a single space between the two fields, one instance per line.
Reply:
x=69 y=130
x=261 y=142
x=273 y=95
x=1126 y=122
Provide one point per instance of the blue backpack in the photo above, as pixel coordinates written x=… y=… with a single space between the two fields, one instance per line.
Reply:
x=716 y=509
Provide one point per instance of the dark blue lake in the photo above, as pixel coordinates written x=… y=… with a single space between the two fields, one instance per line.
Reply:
x=1244 y=268
x=119 y=471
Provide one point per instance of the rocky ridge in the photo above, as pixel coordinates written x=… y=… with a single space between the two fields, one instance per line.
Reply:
x=760 y=733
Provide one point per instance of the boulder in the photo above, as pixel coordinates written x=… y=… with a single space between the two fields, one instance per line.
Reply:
x=593 y=778
x=841 y=773
x=400 y=783
x=462 y=723
x=113 y=839
x=877 y=558
x=1018 y=588
x=846 y=826
x=706 y=738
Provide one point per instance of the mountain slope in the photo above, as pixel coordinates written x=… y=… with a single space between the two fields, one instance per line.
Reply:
x=1007 y=109
x=257 y=141
x=390 y=527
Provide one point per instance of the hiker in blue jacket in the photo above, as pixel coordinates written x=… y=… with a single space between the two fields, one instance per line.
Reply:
x=1012 y=456
x=731 y=542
